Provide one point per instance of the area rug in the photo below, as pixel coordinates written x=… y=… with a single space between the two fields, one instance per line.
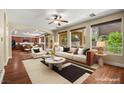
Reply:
x=39 y=73
x=71 y=72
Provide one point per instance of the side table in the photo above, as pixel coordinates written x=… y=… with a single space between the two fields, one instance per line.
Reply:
x=100 y=60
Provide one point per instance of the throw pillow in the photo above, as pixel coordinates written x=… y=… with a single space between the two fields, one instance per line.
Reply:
x=73 y=50
x=66 y=49
x=61 y=49
x=76 y=51
x=85 y=51
x=80 y=51
x=36 y=50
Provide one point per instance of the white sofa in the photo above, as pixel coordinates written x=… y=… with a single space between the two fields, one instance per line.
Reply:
x=76 y=57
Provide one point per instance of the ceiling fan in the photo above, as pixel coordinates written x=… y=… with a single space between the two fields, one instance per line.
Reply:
x=56 y=19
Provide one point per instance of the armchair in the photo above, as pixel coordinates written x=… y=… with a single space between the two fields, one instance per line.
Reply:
x=37 y=52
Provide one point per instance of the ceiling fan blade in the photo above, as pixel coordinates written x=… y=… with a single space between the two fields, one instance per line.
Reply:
x=48 y=19
x=57 y=19
x=55 y=16
x=50 y=22
x=64 y=21
x=60 y=17
x=59 y=24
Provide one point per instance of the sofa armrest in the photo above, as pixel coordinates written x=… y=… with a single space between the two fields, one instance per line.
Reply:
x=90 y=58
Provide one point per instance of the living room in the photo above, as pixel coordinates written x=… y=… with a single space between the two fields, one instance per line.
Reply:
x=69 y=48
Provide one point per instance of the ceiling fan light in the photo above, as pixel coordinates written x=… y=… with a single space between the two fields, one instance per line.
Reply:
x=56 y=22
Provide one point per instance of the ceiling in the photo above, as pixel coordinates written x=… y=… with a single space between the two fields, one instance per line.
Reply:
x=30 y=20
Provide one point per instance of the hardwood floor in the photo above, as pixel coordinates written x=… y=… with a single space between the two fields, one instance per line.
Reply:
x=107 y=75
x=15 y=72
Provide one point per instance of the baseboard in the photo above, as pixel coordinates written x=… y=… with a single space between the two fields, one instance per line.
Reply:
x=2 y=75
x=7 y=60
x=114 y=63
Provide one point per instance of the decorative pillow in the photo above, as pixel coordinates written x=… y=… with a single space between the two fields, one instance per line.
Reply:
x=80 y=51
x=76 y=51
x=73 y=50
x=61 y=49
x=41 y=49
x=36 y=50
x=85 y=51
x=66 y=49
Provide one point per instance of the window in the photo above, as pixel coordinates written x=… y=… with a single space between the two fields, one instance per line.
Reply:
x=49 y=41
x=111 y=33
x=63 y=38
x=78 y=37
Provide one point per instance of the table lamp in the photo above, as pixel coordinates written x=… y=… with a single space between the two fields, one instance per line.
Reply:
x=100 y=47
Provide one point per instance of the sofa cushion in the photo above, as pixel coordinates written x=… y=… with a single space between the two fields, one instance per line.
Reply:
x=65 y=54
x=73 y=50
x=60 y=53
x=68 y=55
x=80 y=58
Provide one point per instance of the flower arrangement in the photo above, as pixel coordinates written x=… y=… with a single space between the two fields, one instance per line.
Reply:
x=52 y=53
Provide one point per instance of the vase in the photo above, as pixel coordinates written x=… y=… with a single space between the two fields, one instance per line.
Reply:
x=52 y=56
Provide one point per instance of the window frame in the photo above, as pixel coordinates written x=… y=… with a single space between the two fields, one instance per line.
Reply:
x=63 y=32
x=82 y=43
x=122 y=30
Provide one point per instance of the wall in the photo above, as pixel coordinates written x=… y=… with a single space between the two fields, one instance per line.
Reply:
x=5 y=42
x=2 y=40
x=110 y=59
x=8 y=44
x=30 y=39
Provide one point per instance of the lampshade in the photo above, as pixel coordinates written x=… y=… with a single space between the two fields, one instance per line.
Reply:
x=100 y=44
x=56 y=21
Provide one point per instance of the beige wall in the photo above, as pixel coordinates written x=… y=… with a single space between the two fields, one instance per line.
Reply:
x=2 y=39
x=5 y=40
x=108 y=58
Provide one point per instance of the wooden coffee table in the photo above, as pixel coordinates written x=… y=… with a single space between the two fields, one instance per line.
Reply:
x=56 y=61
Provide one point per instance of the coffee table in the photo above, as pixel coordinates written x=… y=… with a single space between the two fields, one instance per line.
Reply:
x=56 y=61
x=45 y=56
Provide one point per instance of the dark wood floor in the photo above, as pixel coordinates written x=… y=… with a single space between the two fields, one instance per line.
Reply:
x=107 y=75
x=15 y=72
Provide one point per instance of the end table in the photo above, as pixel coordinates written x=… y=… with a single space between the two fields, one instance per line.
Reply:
x=100 y=60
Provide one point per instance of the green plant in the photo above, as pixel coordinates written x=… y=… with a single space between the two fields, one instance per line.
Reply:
x=64 y=40
x=114 y=42
x=74 y=37
x=51 y=52
x=103 y=38
x=93 y=39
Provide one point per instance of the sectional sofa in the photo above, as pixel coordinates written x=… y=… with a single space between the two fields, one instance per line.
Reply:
x=76 y=54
